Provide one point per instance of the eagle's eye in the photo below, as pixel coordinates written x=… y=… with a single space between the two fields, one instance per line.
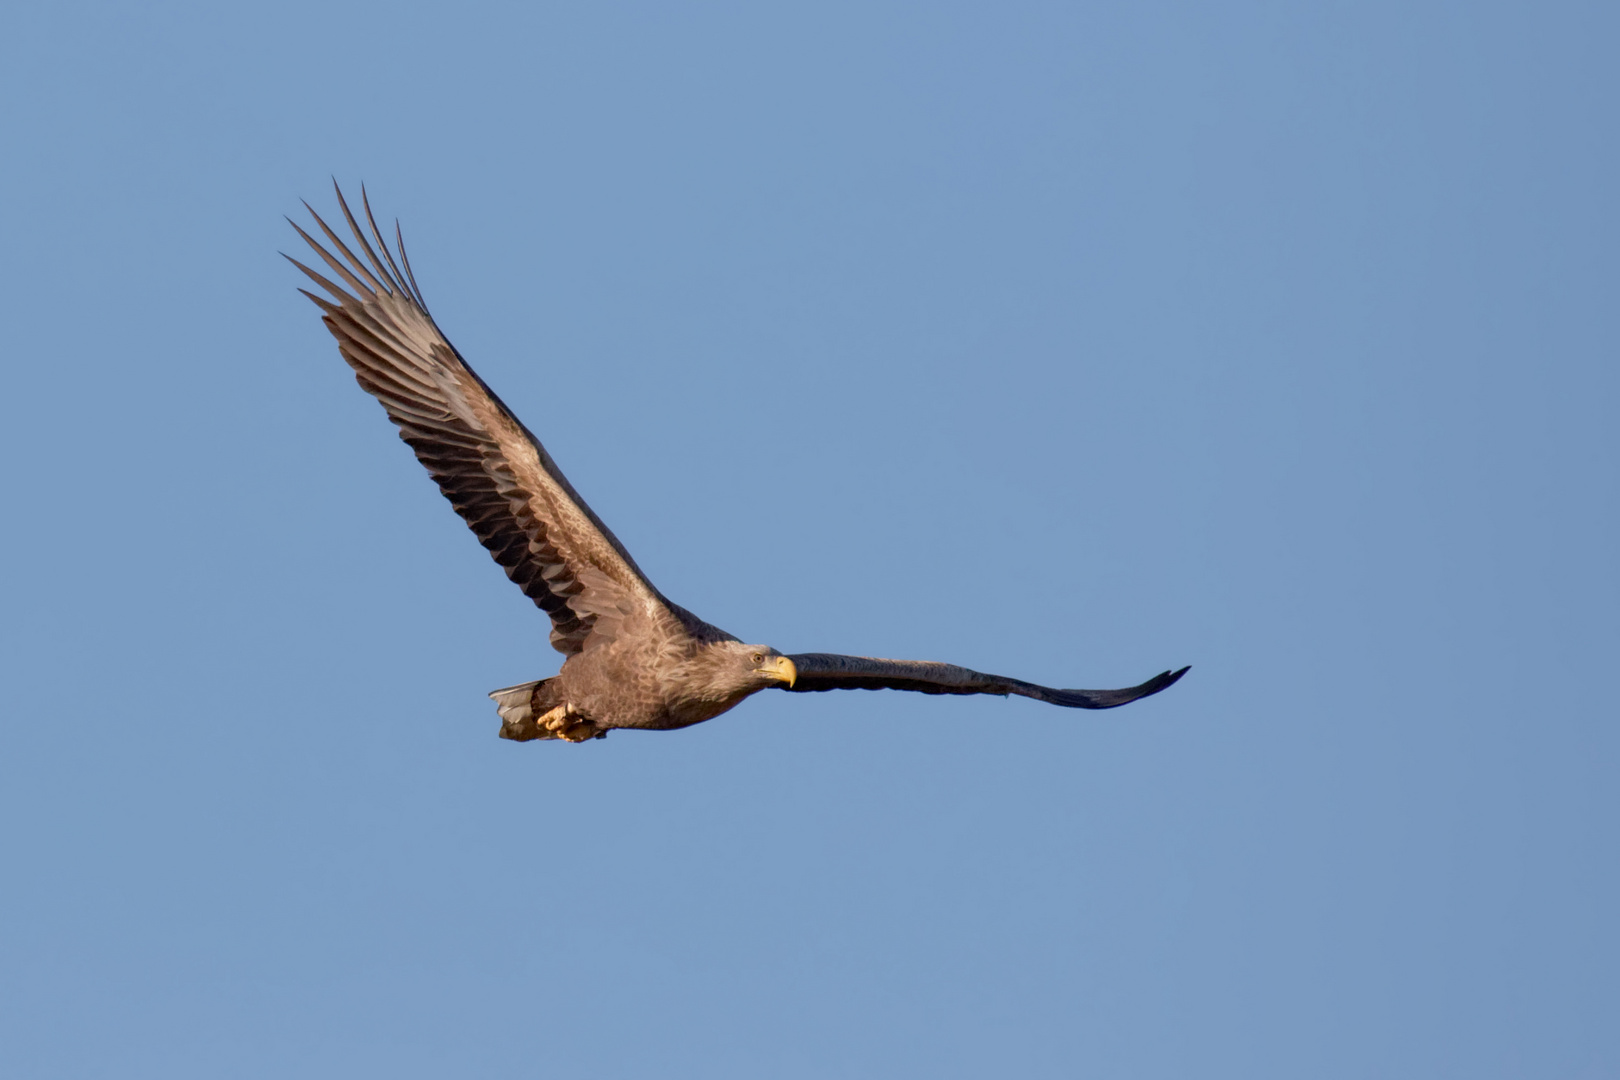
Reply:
x=758 y=658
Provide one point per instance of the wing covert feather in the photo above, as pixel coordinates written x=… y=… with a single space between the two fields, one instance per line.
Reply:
x=495 y=473
x=830 y=671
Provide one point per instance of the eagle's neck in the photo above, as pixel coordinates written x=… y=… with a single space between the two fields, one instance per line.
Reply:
x=708 y=682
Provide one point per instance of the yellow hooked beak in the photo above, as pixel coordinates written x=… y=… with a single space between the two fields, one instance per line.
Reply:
x=781 y=668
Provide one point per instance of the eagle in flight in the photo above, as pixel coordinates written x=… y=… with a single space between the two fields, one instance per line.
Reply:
x=633 y=659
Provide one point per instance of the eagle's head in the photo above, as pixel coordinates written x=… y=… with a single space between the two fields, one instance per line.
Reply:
x=721 y=674
x=731 y=670
x=763 y=666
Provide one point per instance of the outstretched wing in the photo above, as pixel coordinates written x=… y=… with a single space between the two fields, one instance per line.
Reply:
x=828 y=671
x=493 y=471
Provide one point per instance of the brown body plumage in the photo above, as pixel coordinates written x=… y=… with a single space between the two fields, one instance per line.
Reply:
x=633 y=658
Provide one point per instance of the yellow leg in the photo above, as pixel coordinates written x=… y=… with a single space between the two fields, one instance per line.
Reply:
x=560 y=722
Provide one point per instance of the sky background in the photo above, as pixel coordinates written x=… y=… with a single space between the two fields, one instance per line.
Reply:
x=1069 y=341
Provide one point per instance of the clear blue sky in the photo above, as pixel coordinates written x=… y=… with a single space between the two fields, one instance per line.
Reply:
x=1068 y=341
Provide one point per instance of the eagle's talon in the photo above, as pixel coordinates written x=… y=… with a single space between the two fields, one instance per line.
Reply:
x=556 y=719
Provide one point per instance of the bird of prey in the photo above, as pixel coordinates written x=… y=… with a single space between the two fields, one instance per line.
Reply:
x=634 y=659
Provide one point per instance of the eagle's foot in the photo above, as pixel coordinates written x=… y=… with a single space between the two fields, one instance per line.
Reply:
x=582 y=731
x=568 y=723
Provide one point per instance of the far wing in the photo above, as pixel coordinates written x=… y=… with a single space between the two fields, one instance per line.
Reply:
x=496 y=475
x=828 y=671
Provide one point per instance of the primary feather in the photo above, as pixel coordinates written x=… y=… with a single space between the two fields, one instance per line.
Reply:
x=494 y=472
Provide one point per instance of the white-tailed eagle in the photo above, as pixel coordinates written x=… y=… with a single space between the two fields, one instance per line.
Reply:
x=633 y=658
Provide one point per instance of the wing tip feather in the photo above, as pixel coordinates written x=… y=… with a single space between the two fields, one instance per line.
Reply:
x=1112 y=699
